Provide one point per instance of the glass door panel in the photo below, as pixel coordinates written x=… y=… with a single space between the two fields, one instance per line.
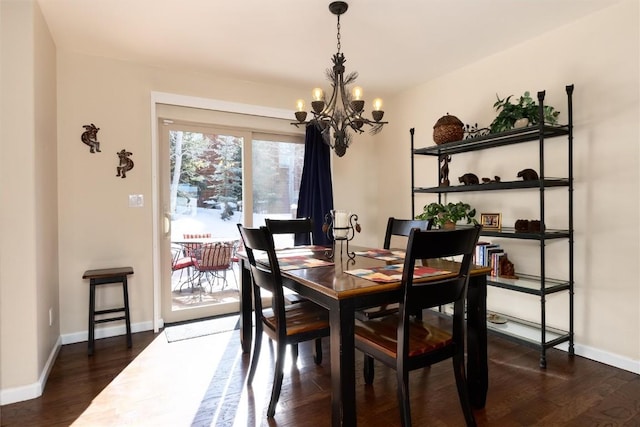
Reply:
x=277 y=171
x=202 y=196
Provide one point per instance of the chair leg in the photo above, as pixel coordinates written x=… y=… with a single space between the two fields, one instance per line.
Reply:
x=294 y=352
x=369 y=372
x=256 y=352
x=317 y=351
x=403 y=397
x=463 y=391
x=277 y=379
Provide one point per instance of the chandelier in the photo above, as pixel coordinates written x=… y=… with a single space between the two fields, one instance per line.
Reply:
x=344 y=111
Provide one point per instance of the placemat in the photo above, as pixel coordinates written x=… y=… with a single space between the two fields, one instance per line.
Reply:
x=393 y=273
x=301 y=261
x=383 y=254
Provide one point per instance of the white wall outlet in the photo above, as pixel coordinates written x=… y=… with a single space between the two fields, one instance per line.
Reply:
x=136 y=200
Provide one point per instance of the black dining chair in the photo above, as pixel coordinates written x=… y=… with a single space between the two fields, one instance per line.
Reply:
x=286 y=324
x=395 y=227
x=302 y=231
x=405 y=343
x=300 y=228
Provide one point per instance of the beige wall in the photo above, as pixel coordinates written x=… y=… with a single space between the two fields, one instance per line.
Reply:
x=29 y=248
x=600 y=55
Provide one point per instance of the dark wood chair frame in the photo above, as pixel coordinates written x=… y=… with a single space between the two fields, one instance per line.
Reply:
x=395 y=227
x=311 y=320
x=293 y=226
x=424 y=245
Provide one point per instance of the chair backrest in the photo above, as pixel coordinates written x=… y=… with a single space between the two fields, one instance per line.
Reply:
x=266 y=273
x=402 y=227
x=214 y=256
x=433 y=244
x=191 y=249
x=300 y=228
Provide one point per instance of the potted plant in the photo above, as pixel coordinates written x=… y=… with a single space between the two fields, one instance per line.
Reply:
x=525 y=108
x=446 y=216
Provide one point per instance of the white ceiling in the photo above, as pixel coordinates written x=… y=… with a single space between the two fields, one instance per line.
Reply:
x=392 y=44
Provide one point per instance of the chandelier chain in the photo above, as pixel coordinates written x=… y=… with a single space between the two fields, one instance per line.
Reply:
x=338 y=36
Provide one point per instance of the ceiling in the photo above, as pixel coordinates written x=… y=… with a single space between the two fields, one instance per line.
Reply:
x=392 y=44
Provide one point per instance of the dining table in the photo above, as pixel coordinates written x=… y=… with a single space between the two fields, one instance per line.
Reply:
x=334 y=285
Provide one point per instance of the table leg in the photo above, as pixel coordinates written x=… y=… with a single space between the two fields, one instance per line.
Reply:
x=343 y=386
x=477 y=367
x=246 y=305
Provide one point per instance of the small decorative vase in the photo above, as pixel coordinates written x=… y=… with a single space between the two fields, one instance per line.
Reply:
x=449 y=225
x=521 y=123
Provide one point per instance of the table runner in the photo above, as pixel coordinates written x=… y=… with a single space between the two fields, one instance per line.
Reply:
x=393 y=273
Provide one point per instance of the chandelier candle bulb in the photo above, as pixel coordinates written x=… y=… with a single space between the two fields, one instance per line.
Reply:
x=317 y=94
x=377 y=104
x=357 y=93
x=301 y=115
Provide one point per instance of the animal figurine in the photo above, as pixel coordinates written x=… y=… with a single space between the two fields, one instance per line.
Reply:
x=488 y=180
x=444 y=170
x=89 y=137
x=469 y=179
x=126 y=164
x=528 y=175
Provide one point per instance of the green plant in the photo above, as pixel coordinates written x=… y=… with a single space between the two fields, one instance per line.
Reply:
x=526 y=107
x=441 y=214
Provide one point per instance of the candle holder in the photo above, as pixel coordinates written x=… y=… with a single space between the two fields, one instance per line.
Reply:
x=340 y=227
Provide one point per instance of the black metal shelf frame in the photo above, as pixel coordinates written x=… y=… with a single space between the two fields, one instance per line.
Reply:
x=548 y=337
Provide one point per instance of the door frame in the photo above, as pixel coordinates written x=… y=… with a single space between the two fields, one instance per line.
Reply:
x=158 y=219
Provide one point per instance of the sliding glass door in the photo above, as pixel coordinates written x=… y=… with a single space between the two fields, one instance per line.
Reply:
x=211 y=179
x=202 y=199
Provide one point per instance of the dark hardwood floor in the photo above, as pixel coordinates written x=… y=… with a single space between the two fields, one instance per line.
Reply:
x=201 y=382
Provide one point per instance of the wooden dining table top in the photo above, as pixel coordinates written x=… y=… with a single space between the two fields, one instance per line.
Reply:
x=333 y=281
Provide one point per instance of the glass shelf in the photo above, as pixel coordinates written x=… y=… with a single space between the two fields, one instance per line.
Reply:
x=528 y=333
x=528 y=284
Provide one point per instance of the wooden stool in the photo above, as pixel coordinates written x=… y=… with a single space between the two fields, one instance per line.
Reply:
x=102 y=277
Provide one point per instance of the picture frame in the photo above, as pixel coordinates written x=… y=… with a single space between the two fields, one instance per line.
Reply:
x=491 y=221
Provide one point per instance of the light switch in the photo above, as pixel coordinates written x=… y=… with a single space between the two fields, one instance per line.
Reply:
x=136 y=200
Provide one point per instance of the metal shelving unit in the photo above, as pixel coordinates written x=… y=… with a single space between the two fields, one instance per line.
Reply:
x=536 y=334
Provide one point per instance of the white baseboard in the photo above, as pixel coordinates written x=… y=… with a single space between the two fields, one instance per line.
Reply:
x=31 y=391
x=605 y=357
x=106 y=332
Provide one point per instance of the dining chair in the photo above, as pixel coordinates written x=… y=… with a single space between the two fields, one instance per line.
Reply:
x=405 y=343
x=395 y=227
x=213 y=260
x=286 y=324
x=300 y=228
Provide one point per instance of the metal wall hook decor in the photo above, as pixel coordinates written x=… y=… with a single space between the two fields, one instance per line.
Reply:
x=126 y=164
x=90 y=137
x=340 y=226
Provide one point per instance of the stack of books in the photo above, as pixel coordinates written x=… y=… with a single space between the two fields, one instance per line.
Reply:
x=488 y=255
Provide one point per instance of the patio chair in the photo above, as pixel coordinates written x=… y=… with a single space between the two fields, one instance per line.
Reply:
x=212 y=262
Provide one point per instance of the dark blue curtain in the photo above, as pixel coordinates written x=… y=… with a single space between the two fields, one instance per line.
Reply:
x=316 y=192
